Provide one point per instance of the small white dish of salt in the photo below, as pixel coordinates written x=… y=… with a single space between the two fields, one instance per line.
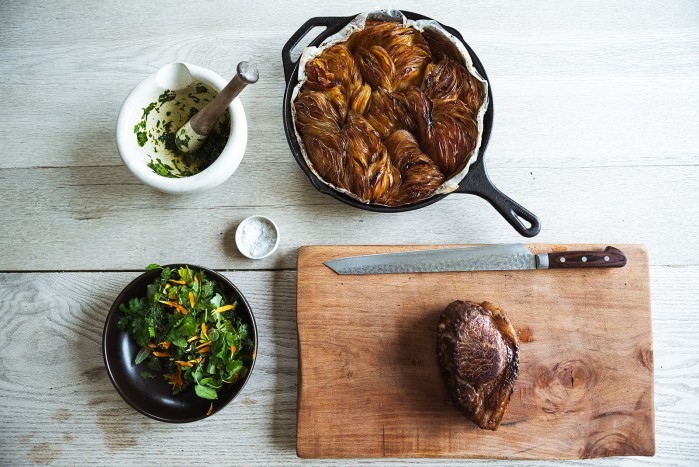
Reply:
x=257 y=237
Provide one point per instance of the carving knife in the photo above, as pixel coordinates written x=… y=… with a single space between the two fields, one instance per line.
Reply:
x=476 y=258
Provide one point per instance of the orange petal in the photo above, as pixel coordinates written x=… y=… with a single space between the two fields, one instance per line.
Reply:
x=179 y=376
x=177 y=306
x=193 y=338
x=223 y=308
x=152 y=345
x=177 y=282
x=191 y=299
x=161 y=354
x=203 y=331
x=205 y=349
x=211 y=409
x=183 y=363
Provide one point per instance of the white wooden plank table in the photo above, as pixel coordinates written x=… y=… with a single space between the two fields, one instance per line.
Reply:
x=596 y=131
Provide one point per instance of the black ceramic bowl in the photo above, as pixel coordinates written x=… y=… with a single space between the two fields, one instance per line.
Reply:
x=153 y=397
x=477 y=182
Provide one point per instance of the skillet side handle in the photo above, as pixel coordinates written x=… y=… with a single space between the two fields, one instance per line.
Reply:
x=513 y=212
x=320 y=21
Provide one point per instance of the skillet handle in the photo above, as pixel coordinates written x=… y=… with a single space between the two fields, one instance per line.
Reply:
x=513 y=212
x=319 y=21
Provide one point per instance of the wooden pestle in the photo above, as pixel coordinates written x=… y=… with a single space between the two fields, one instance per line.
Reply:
x=190 y=137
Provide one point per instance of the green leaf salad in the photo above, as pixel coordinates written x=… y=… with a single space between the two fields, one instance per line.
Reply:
x=188 y=332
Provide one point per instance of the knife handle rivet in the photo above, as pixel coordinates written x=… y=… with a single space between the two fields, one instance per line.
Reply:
x=606 y=258
x=584 y=259
x=563 y=260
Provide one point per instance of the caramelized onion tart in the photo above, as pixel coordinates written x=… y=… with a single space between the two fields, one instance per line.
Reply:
x=389 y=114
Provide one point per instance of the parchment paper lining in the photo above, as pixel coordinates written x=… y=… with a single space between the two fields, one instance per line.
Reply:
x=357 y=24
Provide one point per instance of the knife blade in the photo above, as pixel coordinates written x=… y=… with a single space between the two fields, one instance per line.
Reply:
x=505 y=257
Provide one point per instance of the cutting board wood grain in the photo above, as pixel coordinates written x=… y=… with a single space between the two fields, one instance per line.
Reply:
x=369 y=384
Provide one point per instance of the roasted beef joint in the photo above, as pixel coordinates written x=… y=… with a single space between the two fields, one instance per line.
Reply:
x=478 y=350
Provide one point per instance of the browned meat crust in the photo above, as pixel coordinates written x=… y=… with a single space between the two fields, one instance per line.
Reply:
x=478 y=353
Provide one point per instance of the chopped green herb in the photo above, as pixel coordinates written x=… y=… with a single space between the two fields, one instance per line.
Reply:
x=166 y=96
x=146 y=111
x=162 y=134
x=161 y=168
x=189 y=332
x=183 y=139
x=141 y=138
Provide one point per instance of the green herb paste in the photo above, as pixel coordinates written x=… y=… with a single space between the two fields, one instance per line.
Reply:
x=156 y=130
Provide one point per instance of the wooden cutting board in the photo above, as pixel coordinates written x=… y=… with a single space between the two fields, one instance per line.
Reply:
x=369 y=384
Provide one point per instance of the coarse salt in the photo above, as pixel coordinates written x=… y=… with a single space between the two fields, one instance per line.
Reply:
x=258 y=237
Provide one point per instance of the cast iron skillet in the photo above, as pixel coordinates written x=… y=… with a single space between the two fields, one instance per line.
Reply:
x=476 y=181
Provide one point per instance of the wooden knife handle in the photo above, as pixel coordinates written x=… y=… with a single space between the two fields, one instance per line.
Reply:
x=609 y=258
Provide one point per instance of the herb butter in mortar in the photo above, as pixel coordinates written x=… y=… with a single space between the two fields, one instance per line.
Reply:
x=156 y=130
